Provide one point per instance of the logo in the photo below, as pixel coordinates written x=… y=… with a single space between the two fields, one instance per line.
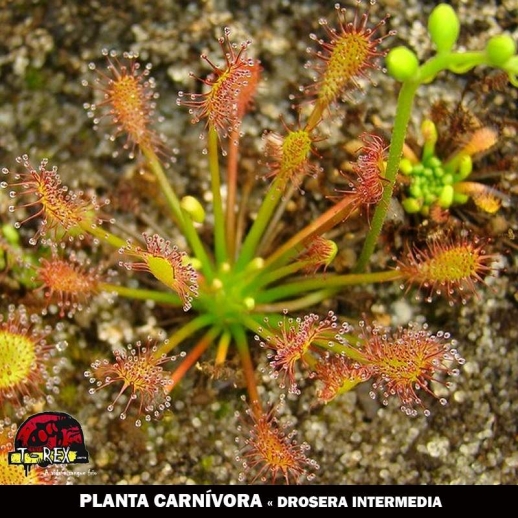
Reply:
x=48 y=438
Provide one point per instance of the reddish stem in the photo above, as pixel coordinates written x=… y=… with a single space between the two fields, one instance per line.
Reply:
x=322 y=224
x=192 y=357
x=248 y=369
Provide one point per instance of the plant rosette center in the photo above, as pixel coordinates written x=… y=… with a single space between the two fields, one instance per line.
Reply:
x=226 y=298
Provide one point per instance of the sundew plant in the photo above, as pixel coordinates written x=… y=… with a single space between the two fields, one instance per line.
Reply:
x=240 y=280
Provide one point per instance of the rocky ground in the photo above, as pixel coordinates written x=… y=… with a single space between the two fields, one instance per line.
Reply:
x=44 y=54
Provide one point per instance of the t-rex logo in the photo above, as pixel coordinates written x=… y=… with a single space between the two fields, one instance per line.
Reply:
x=49 y=438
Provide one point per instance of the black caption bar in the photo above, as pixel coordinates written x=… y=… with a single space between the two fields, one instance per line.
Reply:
x=358 y=497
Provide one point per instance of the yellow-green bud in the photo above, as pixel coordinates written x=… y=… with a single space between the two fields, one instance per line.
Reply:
x=411 y=205
x=460 y=198
x=249 y=303
x=225 y=267
x=429 y=131
x=194 y=262
x=402 y=63
x=257 y=263
x=444 y=27
x=447 y=179
x=406 y=166
x=446 y=197
x=500 y=49
x=194 y=208
x=331 y=253
x=217 y=284
x=464 y=168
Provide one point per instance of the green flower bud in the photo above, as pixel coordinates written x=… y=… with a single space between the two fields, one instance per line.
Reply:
x=429 y=131
x=418 y=169
x=447 y=179
x=434 y=162
x=465 y=168
x=249 y=303
x=500 y=49
x=331 y=252
x=402 y=63
x=438 y=173
x=446 y=197
x=405 y=166
x=444 y=27
x=195 y=263
x=225 y=267
x=429 y=198
x=415 y=190
x=411 y=205
x=460 y=198
x=255 y=264
x=217 y=284
x=194 y=208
